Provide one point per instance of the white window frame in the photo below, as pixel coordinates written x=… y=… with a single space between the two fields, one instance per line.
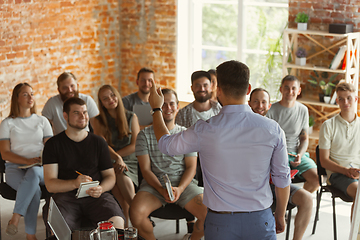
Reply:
x=189 y=40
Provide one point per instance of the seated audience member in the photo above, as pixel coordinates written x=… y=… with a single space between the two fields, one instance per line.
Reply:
x=213 y=84
x=260 y=103
x=67 y=87
x=22 y=138
x=75 y=156
x=339 y=142
x=141 y=97
x=293 y=118
x=180 y=169
x=119 y=127
x=203 y=107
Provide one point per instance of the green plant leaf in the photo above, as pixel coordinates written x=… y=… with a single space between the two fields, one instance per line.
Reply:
x=316 y=73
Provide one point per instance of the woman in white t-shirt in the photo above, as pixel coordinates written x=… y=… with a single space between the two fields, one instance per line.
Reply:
x=22 y=138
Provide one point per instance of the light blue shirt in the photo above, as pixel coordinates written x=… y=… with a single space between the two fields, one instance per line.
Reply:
x=239 y=150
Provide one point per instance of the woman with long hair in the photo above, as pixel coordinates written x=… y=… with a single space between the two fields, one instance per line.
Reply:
x=120 y=128
x=22 y=138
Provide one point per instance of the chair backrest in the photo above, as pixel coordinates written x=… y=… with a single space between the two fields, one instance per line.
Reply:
x=320 y=170
x=2 y=169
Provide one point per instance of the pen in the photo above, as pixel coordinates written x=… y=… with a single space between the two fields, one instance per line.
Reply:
x=353 y=167
x=292 y=154
x=79 y=173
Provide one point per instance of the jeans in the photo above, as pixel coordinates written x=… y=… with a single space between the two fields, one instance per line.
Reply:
x=258 y=225
x=27 y=184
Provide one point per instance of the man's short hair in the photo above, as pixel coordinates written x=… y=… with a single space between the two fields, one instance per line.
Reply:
x=64 y=76
x=233 y=78
x=167 y=91
x=289 y=78
x=257 y=90
x=72 y=101
x=199 y=74
x=212 y=72
x=344 y=86
x=146 y=70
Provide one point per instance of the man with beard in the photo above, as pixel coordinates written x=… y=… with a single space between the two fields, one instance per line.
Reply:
x=179 y=168
x=260 y=103
x=75 y=156
x=53 y=109
x=141 y=97
x=203 y=107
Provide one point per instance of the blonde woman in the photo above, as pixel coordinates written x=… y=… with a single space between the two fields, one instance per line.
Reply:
x=120 y=128
x=22 y=138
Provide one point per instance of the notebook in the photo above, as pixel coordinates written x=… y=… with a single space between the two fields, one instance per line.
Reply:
x=143 y=114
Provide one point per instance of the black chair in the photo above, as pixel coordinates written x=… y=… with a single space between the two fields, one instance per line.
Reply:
x=8 y=192
x=289 y=208
x=171 y=211
x=335 y=193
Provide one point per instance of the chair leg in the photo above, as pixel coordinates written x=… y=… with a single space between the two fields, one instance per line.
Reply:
x=318 y=200
x=334 y=217
x=288 y=225
x=177 y=226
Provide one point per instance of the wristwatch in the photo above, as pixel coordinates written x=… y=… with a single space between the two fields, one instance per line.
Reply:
x=154 y=110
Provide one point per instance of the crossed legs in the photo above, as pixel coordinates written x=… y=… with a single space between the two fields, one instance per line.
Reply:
x=124 y=193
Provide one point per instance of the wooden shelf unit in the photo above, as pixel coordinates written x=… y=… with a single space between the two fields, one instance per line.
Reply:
x=351 y=72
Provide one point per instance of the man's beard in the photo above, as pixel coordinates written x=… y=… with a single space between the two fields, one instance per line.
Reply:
x=64 y=97
x=202 y=99
x=77 y=127
x=144 y=92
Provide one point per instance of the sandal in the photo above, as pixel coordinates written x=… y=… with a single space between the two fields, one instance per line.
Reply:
x=11 y=229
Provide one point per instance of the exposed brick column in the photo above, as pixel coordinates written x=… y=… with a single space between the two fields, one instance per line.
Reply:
x=148 y=39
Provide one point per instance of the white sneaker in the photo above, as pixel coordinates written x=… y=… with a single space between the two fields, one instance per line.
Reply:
x=187 y=236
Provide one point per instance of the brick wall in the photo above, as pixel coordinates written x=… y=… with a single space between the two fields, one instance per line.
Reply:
x=148 y=39
x=41 y=39
x=100 y=41
x=321 y=14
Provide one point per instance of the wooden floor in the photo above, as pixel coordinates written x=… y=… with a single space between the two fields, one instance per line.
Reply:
x=165 y=229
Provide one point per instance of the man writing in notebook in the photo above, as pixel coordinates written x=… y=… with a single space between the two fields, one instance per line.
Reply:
x=239 y=150
x=76 y=156
x=260 y=103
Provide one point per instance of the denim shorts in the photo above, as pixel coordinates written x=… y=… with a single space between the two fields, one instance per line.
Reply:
x=341 y=182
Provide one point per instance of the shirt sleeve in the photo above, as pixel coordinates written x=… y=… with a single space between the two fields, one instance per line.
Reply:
x=126 y=103
x=179 y=118
x=47 y=130
x=181 y=143
x=49 y=155
x=104 y=157
x=46 y=111
x=141 y=147
x=93 y=110
x=4 y=130
x=280 y=171
x=325 y=136
x=306 y=119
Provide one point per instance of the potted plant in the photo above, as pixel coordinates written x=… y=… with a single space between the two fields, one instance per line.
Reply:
x=301 y=20
x=326 y=87
x=300 y=56
x=311 y=124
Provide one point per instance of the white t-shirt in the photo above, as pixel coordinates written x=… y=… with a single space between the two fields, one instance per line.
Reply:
x=343 y=140
x=26 y=135
x=53 y=110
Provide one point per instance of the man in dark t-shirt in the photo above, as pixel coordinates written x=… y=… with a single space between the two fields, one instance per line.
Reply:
x=75 y=156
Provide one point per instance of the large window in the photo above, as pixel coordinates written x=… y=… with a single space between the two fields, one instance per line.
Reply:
x=213 y=31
